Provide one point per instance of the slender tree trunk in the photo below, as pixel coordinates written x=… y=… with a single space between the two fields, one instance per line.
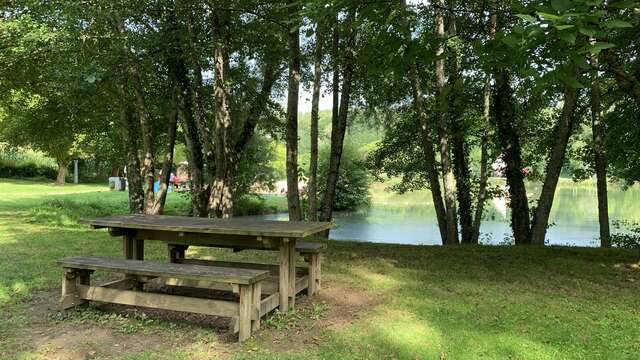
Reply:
x=428 y=151
x=129 y=143
x=165 y=172
x=511 y=152
x=600 y=158
x=62 y=171
x=199 y=195
x=484 y=141
x=148 y=164
x=443 y=131
x=337 y=133
x=459 y=151
x=554 y=167
x=312 y=188
x=293 y=197
x=222 y=190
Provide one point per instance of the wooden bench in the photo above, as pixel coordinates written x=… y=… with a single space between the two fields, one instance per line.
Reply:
x=77 y=289
x=312 y=253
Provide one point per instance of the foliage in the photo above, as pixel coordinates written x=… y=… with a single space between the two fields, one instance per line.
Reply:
x=352 y=189
x=25 y=164
x=628 y=235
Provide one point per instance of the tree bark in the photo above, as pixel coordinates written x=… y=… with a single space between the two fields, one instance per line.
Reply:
x=165 y=172
x=293 y=197
x=338 y=132
x=426 y=136
x=129 y=143
x=484 y=141
x=62 y=171
x=221 y=198
x=312 y=187
x=562 y=134
x=459 y=151
x=443 y=131
x=600 y=157
x=511 y=152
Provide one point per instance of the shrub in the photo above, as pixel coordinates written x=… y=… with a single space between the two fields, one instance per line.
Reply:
x=22 y=169
x=629 y=238
x=352 y=189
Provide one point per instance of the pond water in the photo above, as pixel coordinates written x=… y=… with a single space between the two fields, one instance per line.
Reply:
x=410 y=218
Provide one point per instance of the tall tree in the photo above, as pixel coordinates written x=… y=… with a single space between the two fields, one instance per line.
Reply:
x=597 y=128
x=338 y=128
x=443 y=131
x=484 y=138
x=315 y=103
x=293 y=197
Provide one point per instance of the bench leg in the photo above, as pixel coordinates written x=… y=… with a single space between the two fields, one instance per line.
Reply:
x=283 y=281
x=70 y=297
x=246 y=312
x=256 y=302
x=315 y=276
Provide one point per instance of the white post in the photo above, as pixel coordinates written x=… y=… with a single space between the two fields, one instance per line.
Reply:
x=75 y=171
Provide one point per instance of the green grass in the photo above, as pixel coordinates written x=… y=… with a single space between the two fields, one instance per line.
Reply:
x=429 y=302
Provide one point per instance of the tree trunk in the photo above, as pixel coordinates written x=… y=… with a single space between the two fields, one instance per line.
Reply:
x=199 y=193
x=511 y=152
x=338 y=132
x=62 y=171
x=554 y=167
x=129 y=143
x=165 y=172
x=600 y=158
x=312 y=187
x=484 y=141
x=427 y=138
x=447 y=173
x=293 y=198
x=222 y=190
x=458 y=143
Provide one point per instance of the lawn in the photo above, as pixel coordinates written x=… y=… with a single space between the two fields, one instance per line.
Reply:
x=378 y=302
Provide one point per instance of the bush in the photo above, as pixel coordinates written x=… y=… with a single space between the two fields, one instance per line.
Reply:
x=352 y=190
x=629 y=238
x=21 y=169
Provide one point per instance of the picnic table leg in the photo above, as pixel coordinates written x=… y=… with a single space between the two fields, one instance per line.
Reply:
x=283 y=282
x=133 y=249
x=293 y=255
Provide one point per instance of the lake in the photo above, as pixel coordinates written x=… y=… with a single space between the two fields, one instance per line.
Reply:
x=410 y=218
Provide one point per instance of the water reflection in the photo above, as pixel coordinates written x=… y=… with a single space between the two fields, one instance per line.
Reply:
x=410 y=218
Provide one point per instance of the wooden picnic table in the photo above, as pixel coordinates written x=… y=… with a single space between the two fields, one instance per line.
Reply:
x=179 y=232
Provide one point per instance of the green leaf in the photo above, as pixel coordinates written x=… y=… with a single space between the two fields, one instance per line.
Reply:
x=564 y=27
x=599 y=46
x=561 y=5
x=548 y=16
x=624 y=4
x=527 y=18
x=512 y=41
x=574 y=83
x=616 y=24
x=568 y=36
x=587 y=31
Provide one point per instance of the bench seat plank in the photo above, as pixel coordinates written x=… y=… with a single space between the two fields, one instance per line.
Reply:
x=158 y=269
x=310 y=247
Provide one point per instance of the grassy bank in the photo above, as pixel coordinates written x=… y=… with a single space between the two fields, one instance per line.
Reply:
x=379 y=301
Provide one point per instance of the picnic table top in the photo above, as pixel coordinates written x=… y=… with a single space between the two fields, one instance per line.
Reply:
x=233 y=226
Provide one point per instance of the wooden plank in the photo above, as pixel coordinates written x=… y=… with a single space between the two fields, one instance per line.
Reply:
x=302 y=283
x=269 y=303
x=293 y=255
x=255 y=306
x=305 y=247
x=200 y=284
x=159 y=301
x=70 y=296
x=273 y=269
x=122 y=284
x=158 y=269
x=234 y=226
x=204 y=239
x=284 y=277
x=244 y=318
x=315 y=275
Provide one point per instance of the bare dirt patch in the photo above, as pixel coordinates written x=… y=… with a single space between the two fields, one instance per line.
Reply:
x=344 y=306
x=336 y=307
